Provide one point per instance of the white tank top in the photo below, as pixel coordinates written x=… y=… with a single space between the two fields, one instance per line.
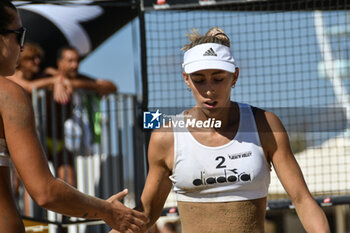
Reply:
x=235 y=171
x=4 y=154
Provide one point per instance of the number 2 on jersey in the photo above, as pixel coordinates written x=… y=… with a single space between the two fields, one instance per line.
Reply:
x=221 y=163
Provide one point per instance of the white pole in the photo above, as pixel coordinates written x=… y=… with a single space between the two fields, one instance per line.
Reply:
x=340 y=219
x=339 y=89
x=331 y=70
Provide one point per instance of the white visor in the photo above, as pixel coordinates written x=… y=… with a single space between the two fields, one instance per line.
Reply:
x=209 y=56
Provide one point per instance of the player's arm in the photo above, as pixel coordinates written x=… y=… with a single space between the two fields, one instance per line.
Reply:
x=30 y=85
x=31 y=164
x=41 y=83
x=276 y=144
x=101 y=86
x=158 y=184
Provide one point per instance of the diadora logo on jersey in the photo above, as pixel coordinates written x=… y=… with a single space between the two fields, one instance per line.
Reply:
x=229 y=176
x=210 y=52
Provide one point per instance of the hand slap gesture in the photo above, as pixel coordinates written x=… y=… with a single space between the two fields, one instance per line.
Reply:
x=125 y=219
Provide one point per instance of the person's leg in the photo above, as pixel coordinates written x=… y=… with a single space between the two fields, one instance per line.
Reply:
x=26 y=202
x=16 y=183
x=66 y=168
x=66 y=173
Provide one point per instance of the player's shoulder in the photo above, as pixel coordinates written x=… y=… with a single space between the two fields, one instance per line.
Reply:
x=161 y=148
x=12 y=96
x=163 y=137
x=266 y=120
x=11 y=90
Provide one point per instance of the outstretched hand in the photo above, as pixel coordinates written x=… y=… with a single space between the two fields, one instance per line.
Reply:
x=125 y=219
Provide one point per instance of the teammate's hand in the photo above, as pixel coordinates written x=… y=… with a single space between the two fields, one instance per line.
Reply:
x=124 y=219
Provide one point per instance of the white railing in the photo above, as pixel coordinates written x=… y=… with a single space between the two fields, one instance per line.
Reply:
x=104 y=139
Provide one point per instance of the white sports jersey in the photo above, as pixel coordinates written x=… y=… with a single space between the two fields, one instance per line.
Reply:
x=235 y=171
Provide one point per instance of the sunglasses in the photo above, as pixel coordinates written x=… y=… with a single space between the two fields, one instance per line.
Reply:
x=21 y=33
x=33 y=57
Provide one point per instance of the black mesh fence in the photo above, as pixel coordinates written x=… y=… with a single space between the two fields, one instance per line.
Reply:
x=294 y=60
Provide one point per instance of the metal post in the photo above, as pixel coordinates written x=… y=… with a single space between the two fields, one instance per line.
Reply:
x=144 y=72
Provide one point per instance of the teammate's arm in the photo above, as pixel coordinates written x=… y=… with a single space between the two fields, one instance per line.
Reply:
x=49 y=192
x=276 y=144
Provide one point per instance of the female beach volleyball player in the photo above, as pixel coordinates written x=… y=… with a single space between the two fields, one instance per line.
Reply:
x=221 y=175
x=18 y=138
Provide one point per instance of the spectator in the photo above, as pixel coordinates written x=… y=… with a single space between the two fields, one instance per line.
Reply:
x=68 y=66
x=67 y=73
x=29 y=77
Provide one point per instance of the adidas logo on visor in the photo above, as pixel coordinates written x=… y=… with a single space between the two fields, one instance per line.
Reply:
x=210 y=52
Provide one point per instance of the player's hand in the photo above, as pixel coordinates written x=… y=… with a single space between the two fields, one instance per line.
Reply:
x=124 y=219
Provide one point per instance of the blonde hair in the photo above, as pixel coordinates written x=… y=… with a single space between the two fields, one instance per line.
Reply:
x=213 y=35
x=30 y=50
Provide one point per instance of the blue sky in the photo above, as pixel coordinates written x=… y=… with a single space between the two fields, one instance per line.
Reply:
x=285 y=56
x=277 y=52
